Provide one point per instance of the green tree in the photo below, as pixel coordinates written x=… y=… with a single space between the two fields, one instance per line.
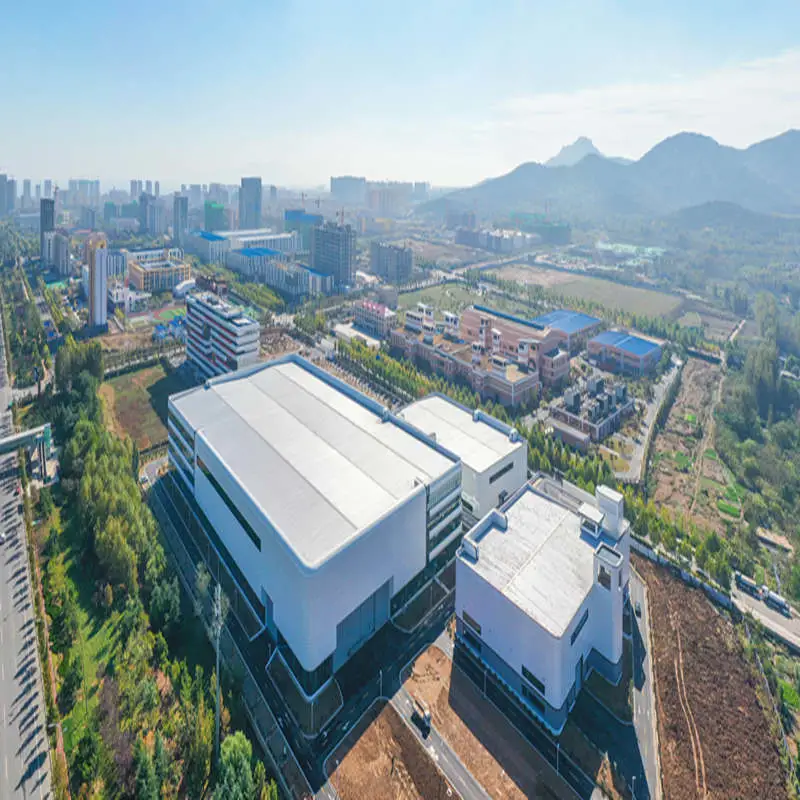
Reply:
x=236 y=773
x=86 y=766
x=71 y=671
x=165 y=606
x=161 y=761
x=147 y=787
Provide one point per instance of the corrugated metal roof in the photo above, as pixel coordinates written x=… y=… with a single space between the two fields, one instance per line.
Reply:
x=567 y=321
x=478 y=444
x=627 y=342
x=320 y=464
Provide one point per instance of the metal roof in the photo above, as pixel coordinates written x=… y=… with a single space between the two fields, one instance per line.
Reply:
x=567 y=321
x=479 y=440
x=257 y=251
x=628 y=342
x=534 y=552
x=319 y=459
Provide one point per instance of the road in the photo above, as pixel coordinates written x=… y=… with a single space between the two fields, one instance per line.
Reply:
x=785 y=627
x=644 y=708
x=24 y=760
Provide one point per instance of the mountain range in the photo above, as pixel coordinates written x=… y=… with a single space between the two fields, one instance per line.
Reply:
x=571 y=154
x=684 y=170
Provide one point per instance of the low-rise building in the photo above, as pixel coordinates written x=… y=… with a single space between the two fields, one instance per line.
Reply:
x=573 y=327
x=157 y=270
x=494 y=457
x=211 y=248
x=626 y=353
x=394 y=263
x=287 y=244
x=274 y=269
x=220 y=338
x=541 y=584
x=374 y=318
x=602 y=413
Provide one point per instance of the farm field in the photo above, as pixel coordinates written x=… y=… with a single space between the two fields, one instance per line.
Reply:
x=716 y=324
x=688 y=477
x=501 y=760
x=456 y=297
x=715 y=738
x=446 y=256
x=381 y=758
x=608 y=293
x=135 y=404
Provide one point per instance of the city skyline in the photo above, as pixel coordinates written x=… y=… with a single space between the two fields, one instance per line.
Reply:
x=436 y=92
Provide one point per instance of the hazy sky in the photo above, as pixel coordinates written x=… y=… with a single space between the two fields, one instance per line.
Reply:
x=449 y=91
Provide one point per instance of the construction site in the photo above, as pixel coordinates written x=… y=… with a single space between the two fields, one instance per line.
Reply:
x=715 y=733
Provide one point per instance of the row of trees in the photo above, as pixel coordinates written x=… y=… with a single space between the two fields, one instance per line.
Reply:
x=26 y=335
x=151 y=733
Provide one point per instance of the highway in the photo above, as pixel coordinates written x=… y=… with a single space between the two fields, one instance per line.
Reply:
x=24 y=761
x=787 y=628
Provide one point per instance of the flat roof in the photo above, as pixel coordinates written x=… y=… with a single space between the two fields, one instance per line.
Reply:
x=628 y=342
x=479 y=440
x=257 y=251
x=209 y=236
x=567 y=321
x=538 y=557
x=320 y=460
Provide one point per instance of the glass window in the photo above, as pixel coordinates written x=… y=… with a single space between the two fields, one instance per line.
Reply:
x=502 y=471
x=471 y=622
x=532 y=679
x=472 y=640
x=579 y=627
x=604 y=577
x=248 y=528
x=533 y=699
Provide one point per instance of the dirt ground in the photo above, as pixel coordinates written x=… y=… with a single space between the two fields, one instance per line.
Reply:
x=130 y=340
x=499 y=758
x=715 y=738
x=386 y=762
x=536 y=276
x=678 y=449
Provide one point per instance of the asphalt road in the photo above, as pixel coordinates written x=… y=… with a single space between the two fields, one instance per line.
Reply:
x=24 y=761
x=786 y=627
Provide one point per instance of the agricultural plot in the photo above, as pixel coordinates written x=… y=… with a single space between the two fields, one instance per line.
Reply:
x=608 y=293
x=135 y=404
x=686 y=479
x=714 y=734
x=717 y=325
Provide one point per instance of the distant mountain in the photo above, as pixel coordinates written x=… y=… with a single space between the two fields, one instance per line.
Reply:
x=684 y=170
x=733 y=221
x=571 y=154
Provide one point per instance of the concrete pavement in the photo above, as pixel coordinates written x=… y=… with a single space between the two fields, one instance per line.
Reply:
x=786 y=628
x=24 y=757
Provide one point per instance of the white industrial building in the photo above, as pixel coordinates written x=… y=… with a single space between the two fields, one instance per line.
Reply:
x=540 y=588
x=333 y=510
x=220 y=338
x=494 y=457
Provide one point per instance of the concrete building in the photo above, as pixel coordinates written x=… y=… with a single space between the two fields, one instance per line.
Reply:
x=55 y=251
x=48 y=189
x=220 y=338
x=358 y=512
x=47 y=219
x=27 y=201
x=285 y=243
x=249 y=204
x=540 y=588
x=297 y=219
x=180 y=219
x=573 y=327
x=276 y=271
x=157 y=270
x=211 y=248
x=214 y=217
x=602 y=414
x=333 y=252
x=394 y=263
x=374 y=318
x=349 y=189
x=626 y=353
x=98 y=288
x=494 y=457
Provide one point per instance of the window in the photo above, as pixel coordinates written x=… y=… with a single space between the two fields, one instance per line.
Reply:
x=188 y=437
x=184 y=451
x=248 y=528
x=532 y=679
x=579 y=627
x=473 y=641
x=502 y=471
x=533 y=699
x=466 y=504
x=604 y=578
x=471 y=622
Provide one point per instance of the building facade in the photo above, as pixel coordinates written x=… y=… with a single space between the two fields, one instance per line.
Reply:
x=299 y=220
x=180 y=219
x=249 y=204
x=391 y=262
x=375 y=318
x=333 y=252
x=55 y=251
x=541 y=585
x=47 y=219
x=211 y=248
x=625 y=353
x=276 y=271
x=220 y=338
x=157 y=270
x=214 y=217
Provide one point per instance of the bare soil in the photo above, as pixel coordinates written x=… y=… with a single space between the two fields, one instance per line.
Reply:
x=678 y=450
x=715 y=738
x=494 y=752
x=385 y=760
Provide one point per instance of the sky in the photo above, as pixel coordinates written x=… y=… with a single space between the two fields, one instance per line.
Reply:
x=446 y=91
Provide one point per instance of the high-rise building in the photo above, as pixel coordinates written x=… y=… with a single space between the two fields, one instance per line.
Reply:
x=88 y=218
x=180 y=219
x=110 y=211
x=333 y=252
x=215 y=216
x=250 y=204
x=349 y=189
x=157 y=189
x=55 y=251
x=3 y=191
x=98 y=287
x=145 y=200
x=220 y=338
x=48 y=188
x=391 y=262
x=148 y=187
x=47 y=220
x=26 y=193
x=273 y=194
x=155 y=217
x=38 y=193
x=297 y=219
x=136 y=189
x=11 y=195
x=196 y=195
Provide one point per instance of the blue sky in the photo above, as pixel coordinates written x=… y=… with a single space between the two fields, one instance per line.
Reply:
x=442 y=90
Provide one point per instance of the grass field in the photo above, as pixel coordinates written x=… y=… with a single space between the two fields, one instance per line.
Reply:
x=728 y=508
x=682 y=461
x=168 y=314
x=607 y=293
x=691 y=319
x=135 y=404
x=454 y=297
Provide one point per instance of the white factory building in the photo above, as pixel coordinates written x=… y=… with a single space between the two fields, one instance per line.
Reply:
x=333 y=510
x=494 y=457
x=220 y=338
x=540 y=588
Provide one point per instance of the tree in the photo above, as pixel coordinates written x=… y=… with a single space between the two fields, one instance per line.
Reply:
x=264 y=789
x=86 y=766
x=71 y=671
x=165 y=606
x=147 y=787
x=161 y=762
x=236 y=774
